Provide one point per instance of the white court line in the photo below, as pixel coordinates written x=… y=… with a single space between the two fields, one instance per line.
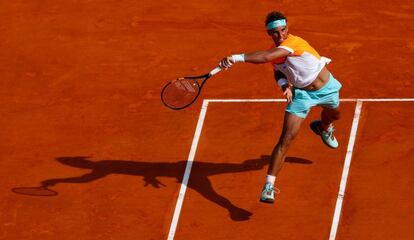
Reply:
x=377 y=99
x=197 y=134
x=342 y=100
x=187 y=172
x=345 y=171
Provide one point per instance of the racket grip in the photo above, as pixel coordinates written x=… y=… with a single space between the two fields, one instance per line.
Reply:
x=215 y=71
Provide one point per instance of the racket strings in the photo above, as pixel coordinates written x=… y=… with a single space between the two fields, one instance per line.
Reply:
x=180 y=93
x=189 y=86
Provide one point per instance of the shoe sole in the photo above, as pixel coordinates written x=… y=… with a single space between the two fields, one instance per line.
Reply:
x=267 y=200
x=314 y=126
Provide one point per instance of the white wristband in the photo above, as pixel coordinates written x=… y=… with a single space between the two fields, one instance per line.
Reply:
x=282 y=81
x=238 y=57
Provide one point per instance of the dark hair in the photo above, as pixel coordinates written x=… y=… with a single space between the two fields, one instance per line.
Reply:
x=273 y=16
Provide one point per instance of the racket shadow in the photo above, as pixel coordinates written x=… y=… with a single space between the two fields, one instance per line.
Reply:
x=199 y=180
x=40 y=191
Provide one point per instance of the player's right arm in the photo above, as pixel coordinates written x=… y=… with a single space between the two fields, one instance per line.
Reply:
x=254 y=57
x=265 y=56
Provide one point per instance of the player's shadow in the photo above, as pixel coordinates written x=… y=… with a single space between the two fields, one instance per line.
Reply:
x=199 y=180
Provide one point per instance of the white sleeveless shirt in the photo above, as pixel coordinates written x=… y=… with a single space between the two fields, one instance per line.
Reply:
x=302 y=65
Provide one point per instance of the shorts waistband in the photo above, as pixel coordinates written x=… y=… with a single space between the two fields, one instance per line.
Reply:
x=320 y=89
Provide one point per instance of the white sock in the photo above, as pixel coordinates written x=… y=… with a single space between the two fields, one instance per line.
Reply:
x=271 y=179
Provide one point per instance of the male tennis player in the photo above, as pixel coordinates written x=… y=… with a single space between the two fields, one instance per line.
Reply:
x=305 y=81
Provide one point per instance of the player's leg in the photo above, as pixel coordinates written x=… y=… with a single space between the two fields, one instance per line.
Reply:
x=328 y=98
x=328 y=116
x=325 y=127
x=291 y=126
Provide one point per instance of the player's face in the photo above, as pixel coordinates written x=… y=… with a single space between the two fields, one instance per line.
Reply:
x=278 y=34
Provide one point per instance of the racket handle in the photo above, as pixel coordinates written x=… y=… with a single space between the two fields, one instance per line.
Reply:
x=215 y=71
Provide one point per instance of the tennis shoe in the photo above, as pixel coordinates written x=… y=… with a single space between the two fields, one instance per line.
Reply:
x=268 y=193
x=327 y=136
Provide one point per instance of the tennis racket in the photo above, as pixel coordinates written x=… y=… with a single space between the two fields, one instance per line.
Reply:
x=182 y=92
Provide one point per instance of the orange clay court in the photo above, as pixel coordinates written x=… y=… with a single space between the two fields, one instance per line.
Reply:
x=80 y=108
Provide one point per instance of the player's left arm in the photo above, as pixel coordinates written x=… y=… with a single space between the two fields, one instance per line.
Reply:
x=284 y=85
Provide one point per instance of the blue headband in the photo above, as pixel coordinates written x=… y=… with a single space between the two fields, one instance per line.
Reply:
x=275 y=24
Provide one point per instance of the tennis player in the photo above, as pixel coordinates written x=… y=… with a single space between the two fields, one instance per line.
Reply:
x=305 y=81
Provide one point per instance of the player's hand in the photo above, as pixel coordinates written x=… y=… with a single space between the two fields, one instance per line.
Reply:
x=288 y=94
x=226 y=63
